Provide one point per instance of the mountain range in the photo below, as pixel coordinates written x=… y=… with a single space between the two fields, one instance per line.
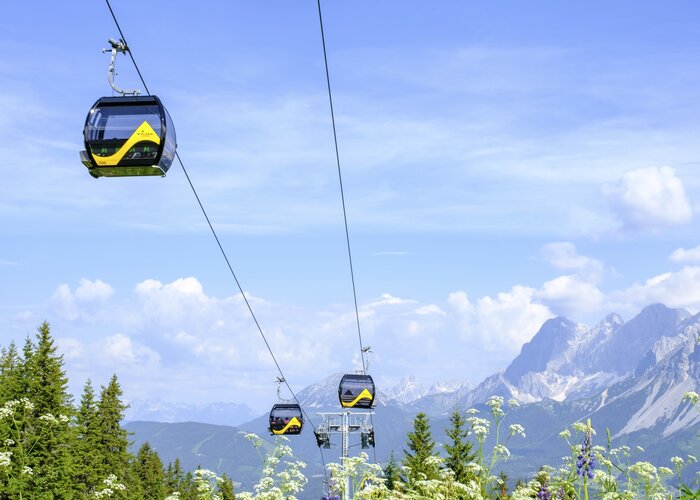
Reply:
x=627 y=377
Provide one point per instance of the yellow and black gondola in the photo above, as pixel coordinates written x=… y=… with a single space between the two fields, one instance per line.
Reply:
x=286 y=419
x=128 y=136
x=356 y=391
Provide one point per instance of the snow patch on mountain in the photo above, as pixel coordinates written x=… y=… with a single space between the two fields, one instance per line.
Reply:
x=409 y=390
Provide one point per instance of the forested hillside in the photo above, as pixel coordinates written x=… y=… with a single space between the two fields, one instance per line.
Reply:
x=53 y=447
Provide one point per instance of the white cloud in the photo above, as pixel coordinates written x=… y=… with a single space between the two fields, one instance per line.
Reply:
x=177 y=325
x=649 y=198
x=70 y=348
x=93 y=290
x=679 y=289
x=176 y=331
x=563 y=255
x=503 y=323
x=63 y=301
x=119 y=350
x=691 y=255
x=86 y=303
x=571 y=296
x=430 y=309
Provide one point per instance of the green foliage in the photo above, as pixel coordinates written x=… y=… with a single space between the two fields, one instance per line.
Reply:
x=10 y=373
x=87 y=477
x=417 y=463
x=174 y=477
x=35 y=425
x=392 y=473
x=226 y=488
x=459 y=450
x=149 y=470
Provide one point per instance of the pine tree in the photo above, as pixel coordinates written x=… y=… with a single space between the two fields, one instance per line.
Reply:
x=112 y=448
x=226 y=488
x=188 y=486
x=46 y=386
x=149 y=469
x=87 y=477
x=170 y=479
x=459 y=451
x=421 y=445
x=173 y=477
x=10 y=373
x=392 y=473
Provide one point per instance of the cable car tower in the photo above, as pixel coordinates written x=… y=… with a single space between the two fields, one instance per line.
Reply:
x=355 y=391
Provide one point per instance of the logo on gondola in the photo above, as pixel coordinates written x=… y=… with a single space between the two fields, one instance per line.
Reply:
x=146 y=132
x=143 y=133
x=294 y=422
x=365 y=394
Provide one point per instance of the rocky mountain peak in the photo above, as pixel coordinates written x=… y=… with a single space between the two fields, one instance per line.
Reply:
x=551 y=341
x=623 y=351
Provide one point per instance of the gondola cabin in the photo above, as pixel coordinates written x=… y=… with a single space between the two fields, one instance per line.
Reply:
x=128 y=136
x=286 y=419
x=356 y=391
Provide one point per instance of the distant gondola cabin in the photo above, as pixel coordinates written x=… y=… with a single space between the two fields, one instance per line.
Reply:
x=128 y=136
x=356 y=391
x=286 y=418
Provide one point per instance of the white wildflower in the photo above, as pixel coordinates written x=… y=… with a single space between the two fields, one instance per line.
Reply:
x=517 y=430
x=644 y=470
x=495 y=403
x=5 y=458
x=48 y=418
x=677 y=461
x=501 y=450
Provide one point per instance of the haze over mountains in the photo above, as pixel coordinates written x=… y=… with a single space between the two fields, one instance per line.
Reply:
x=629 y=377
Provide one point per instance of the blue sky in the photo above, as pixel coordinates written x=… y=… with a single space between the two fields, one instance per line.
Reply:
x=504 y=163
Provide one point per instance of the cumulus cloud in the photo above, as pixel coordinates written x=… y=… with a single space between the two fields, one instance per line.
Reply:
x=120 y=350
x=691 y=255
x=70 y=348
x=563 y=255
x=503 y=323
x=85 y=303
x=649 y=198
x=96 y=290
x=679 y=289
x=178 y=332
x=571 y=296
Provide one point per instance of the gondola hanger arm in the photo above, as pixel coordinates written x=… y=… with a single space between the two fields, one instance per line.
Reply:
x=279 y=382
x=117 y=46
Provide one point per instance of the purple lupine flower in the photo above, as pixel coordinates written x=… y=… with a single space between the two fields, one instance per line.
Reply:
x=544 y=493
x=585 y=462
